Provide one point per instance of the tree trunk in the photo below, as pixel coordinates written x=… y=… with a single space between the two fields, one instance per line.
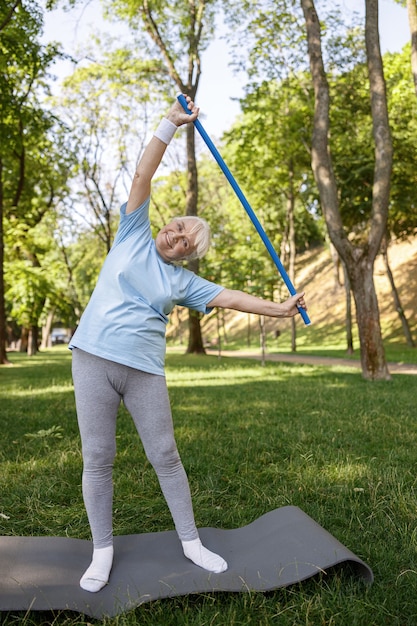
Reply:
x=336 y=264
x=348 y=319
x=192 y=38
x=373 y=361
x=33 y=341
x=396 y=297
x=219 y=338
x=262 y=338
x=223 y=318
x=46 y=330
x=195 y=339
x=412 y=19
x=291 y=238
x=24 y=340
x=359 y=261
x=320 y=153
x=3 y=330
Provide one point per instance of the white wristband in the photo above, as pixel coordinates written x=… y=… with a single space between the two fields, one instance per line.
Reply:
x=165 y=131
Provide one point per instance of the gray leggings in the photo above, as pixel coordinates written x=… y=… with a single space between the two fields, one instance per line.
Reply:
x=99 y=386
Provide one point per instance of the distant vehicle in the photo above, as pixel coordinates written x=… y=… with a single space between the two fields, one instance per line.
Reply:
x=59 y=336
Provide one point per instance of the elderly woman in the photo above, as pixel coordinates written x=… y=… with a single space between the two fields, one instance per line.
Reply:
x=118 y=354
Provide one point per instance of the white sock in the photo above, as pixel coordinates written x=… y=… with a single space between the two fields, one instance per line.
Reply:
x=97 y=575
x=199 y=555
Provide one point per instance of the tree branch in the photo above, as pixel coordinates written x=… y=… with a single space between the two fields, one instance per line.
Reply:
x=9 y=15
x=153 y=31
x=381 y=129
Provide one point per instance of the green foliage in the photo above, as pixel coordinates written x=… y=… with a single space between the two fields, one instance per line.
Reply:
x=27 y=293
x=26 y=145
x=353 y=150
x=267 y=38
x=33 y=162
x=85 y=257
x=403 y=119
x=36 y=277
x=61 y=212
x=275 y=45
x=101 y=103
x=352 y=146
x=266 y=151
x=184 y=27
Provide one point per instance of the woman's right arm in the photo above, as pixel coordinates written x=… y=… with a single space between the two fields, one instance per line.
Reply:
x=155 y=150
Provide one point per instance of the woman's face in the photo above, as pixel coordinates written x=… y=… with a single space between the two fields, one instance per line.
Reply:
x=174 y=242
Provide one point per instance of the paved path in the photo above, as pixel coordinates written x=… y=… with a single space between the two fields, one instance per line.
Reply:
x=307 y=359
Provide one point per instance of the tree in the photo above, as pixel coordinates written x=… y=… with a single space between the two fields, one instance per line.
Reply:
x=28 y=285
x=267 y=148
x=31 y=172
x=271 y=35
x=351 y=148
x=43 y=174
x=412 y=20
x=107 y=107
x=178 y=32
x=402 y=218
x=359 y=255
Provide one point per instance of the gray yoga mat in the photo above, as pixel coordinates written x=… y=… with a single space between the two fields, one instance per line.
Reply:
x=280 y=548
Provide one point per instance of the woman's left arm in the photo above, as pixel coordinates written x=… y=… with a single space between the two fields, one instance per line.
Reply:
x=241 y=301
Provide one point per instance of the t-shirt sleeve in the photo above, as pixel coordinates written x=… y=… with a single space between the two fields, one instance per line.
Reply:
x=137 y=221
x=199 y=293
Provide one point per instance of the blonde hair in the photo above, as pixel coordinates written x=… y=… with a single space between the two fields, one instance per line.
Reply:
x=202 y=232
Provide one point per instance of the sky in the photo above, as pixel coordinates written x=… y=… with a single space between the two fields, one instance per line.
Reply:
x=219 y=85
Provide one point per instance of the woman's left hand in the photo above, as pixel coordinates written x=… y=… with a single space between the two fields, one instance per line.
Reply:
x=178 y=116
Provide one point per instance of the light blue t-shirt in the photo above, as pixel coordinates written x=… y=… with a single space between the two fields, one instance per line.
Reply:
x=126 y=317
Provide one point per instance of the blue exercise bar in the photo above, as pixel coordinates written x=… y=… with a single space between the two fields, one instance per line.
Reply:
x=246 y=206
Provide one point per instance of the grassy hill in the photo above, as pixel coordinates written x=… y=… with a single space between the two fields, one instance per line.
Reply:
x=327 y=308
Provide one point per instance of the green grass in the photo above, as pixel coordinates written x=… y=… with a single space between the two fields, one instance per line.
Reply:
x=323 y=439
x=329 y=341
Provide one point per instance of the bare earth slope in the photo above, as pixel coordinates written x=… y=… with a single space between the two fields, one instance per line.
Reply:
x=326 y=300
